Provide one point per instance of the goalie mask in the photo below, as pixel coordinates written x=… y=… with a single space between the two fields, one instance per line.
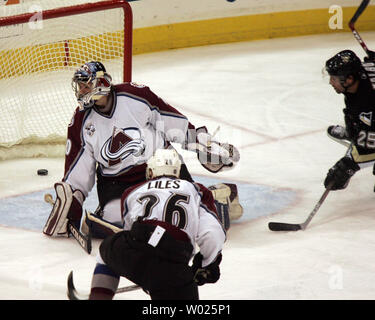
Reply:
x=164 y=162
x=90 y=83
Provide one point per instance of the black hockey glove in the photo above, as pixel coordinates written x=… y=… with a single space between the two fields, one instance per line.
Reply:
x=371 y=56
x=341 y=173
x=208 y=274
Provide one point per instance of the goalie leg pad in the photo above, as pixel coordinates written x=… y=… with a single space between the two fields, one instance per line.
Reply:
x=66 y=200
x=235 y=208
x=57 y=220
x=227 y=194
x=223 y=214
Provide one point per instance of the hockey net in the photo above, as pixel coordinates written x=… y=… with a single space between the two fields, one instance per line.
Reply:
x=41 y=45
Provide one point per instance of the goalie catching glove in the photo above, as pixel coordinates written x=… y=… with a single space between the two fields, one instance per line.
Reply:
x=67 y=207
x=214 y=156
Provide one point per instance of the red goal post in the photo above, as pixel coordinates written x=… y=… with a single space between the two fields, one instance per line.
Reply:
x=38 y=61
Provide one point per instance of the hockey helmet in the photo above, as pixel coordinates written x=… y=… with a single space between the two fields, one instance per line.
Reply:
x=164 y=162
x=93 y=76
x=344 y=64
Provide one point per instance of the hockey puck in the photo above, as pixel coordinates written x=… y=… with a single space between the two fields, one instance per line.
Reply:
x=42 y=172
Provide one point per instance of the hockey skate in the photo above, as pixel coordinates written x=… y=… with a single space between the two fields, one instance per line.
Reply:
x=339 y=134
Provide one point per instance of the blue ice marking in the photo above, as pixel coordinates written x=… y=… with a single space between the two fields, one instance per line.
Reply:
x=29 y=211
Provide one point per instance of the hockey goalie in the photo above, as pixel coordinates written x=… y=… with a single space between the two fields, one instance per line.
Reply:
x=113 y=132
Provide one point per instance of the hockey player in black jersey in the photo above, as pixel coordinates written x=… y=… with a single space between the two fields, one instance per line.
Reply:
x=356 y=81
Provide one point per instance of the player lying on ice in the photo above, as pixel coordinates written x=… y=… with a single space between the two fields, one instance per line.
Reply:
x=113 y=132
x=356 y=81
x=165 y=219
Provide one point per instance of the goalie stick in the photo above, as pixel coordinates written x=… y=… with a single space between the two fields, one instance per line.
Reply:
x=74 y=295
x=280 y=226
x=83 y=240
x=359 y=11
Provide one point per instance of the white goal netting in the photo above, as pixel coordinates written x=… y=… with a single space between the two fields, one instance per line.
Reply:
x=37 y=62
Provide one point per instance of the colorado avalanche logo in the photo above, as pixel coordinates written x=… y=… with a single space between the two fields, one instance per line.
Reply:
x=122 y=144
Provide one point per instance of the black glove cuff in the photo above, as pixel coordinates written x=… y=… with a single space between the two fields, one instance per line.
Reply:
x=339 y=175
x=348 y=165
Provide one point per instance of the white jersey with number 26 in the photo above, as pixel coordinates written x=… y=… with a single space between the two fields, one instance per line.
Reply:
x=188 y=206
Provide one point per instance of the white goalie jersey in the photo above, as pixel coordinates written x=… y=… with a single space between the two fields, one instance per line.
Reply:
x=187 y=206
x=121 y=142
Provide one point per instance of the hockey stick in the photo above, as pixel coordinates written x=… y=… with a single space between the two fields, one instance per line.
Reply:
x=359 y=11
x=83 y=240
x=280 y=226
x=91 y=217
x=74 y=295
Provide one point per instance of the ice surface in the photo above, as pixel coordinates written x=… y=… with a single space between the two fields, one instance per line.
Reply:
x=269 y=98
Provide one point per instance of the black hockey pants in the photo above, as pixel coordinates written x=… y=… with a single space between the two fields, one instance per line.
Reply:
x=162 y=271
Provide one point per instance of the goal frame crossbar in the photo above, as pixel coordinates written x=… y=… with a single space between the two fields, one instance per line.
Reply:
x=86 y=8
